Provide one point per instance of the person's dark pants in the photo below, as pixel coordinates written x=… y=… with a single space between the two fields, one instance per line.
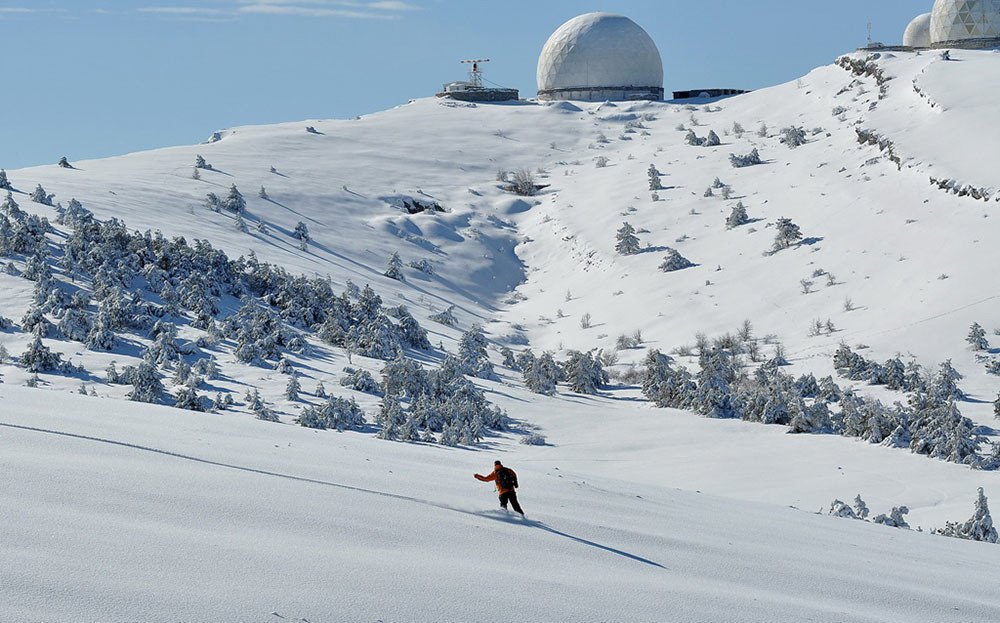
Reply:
x=510 y=496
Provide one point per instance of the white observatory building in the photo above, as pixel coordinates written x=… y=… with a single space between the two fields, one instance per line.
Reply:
x=600 y=56
x=965 y=23
x=918 y=33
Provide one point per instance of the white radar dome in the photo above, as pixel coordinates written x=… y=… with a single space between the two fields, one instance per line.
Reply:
x=597 y=57
x=918 y=33
x=964 y=20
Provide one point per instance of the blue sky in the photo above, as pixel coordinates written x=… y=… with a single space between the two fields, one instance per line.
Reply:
x=95 y=78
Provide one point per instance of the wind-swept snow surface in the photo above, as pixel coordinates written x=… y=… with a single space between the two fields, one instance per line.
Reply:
x=115 y=511
x=164 y=515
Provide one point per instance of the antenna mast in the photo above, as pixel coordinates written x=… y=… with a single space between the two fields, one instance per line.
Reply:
x=475 y=74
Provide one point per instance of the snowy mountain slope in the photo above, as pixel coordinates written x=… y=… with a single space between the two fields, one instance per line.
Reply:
x=509 y=262
x=209 y=518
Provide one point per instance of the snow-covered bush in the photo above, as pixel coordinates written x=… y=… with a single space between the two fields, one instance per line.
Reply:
x=522 y=182
x=748 y=160
x=738 y=216
x=674 y=261
x=533 y=439
x=447 y=317
x=793 y=137
x=362 y=381
x=336 y=413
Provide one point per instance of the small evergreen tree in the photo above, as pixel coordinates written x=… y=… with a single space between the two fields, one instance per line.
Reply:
x=738 y=216
x=978 y=528
x=146 y=384
x=293 y=387
x=64 y=163
x=473 y=358
x=40 y=196
x=788 y=234
x=4 y=182
x=977 y=337
x=199 y=163
x=301 y=232
x=628 y=242
x=712 y=140
x=262 y=193
x=654 y=178
x=675 y=261
x=234 y=201
x=394 y=268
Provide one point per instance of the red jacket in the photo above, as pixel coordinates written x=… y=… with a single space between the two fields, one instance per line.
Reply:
x=493 y=478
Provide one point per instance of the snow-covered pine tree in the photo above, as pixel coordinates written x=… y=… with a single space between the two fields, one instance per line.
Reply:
x=738 y=216
x=654 y=178
x=788 y=234
x=665 y=386
x=39 y=358
x=40 y=196
x=712 y=140
x=199 y=163
x=234 y=201
x=628 y=242
x=541 y=375
x=188 y=398
x=262 y=193
x=213 y=203
x=64 y=163
x=860 y=508
x=584 y=373
x=394 y=268
x=293 y=387
x=977 y=337
x=4 y=182
x=146 y=384
x=944 y=384
x=301 y=232
x=978 y=528
x=473 y=357
x=675 y=261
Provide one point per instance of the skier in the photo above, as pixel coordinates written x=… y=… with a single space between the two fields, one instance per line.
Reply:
x=506 y=482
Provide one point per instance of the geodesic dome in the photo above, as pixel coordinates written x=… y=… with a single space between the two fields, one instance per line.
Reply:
x=918 y=33
x=600 y=56
x=964 y=20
